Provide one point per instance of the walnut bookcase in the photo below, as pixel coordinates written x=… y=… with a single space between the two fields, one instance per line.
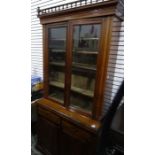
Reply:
x=76 y=45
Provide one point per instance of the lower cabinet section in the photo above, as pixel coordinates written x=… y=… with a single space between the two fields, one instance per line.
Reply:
x=63 y=137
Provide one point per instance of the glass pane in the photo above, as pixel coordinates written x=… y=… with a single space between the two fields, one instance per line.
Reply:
x=57 y=54
x=80 y=102
x=85 y=51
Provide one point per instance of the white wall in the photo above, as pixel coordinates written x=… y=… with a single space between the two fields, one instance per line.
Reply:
x=36 y=33
x=116 y=59
x=115 y=73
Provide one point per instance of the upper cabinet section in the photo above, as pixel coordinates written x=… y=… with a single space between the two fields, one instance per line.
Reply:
x=80 y=77
x=77 y=40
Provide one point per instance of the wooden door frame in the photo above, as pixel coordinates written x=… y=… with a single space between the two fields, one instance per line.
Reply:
x=102 y=65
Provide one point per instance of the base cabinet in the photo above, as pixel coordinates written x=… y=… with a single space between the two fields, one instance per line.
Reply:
x=64 y=138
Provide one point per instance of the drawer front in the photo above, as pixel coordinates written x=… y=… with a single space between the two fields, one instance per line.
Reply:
x=75 y=131
x=49 y=115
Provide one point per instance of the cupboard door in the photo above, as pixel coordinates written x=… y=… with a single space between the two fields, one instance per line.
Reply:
x=85 y=50
x=56 y=58
x=48 y=136
x=76 y=141
x=70 y=146
x=73 y=146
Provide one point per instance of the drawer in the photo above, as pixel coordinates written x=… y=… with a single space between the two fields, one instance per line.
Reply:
x=75 y=131
x=49 y=115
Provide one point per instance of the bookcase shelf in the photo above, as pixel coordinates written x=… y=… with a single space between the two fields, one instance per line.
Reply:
x=81 y=91
x=87 y=52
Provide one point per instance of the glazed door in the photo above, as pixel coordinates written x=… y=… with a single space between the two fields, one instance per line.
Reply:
x=85 y=50
x=56 y=62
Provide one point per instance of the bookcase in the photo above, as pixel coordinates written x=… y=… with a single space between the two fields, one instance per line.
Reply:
x=76 y=45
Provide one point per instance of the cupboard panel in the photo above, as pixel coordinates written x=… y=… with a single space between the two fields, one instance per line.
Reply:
x=48 y=137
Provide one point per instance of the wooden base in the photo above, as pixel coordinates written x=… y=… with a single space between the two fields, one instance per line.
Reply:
x=62 y=132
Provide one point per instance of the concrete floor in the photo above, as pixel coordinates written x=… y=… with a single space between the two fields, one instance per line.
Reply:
x=34 y=151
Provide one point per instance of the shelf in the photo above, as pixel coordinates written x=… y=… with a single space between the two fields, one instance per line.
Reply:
x=83 y=91
x=86 y=49
x=62 y=64
x=93 y=38
x=78 y=65
x=87 y=52
x=50 y=47
x=58 y=51
x=61 y=39
x=75 y=89
x=84 y=66
x=55 y=98
x=57 y=84
x=85 y=110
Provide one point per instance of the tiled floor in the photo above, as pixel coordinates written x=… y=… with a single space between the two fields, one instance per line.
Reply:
x=34 y=151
